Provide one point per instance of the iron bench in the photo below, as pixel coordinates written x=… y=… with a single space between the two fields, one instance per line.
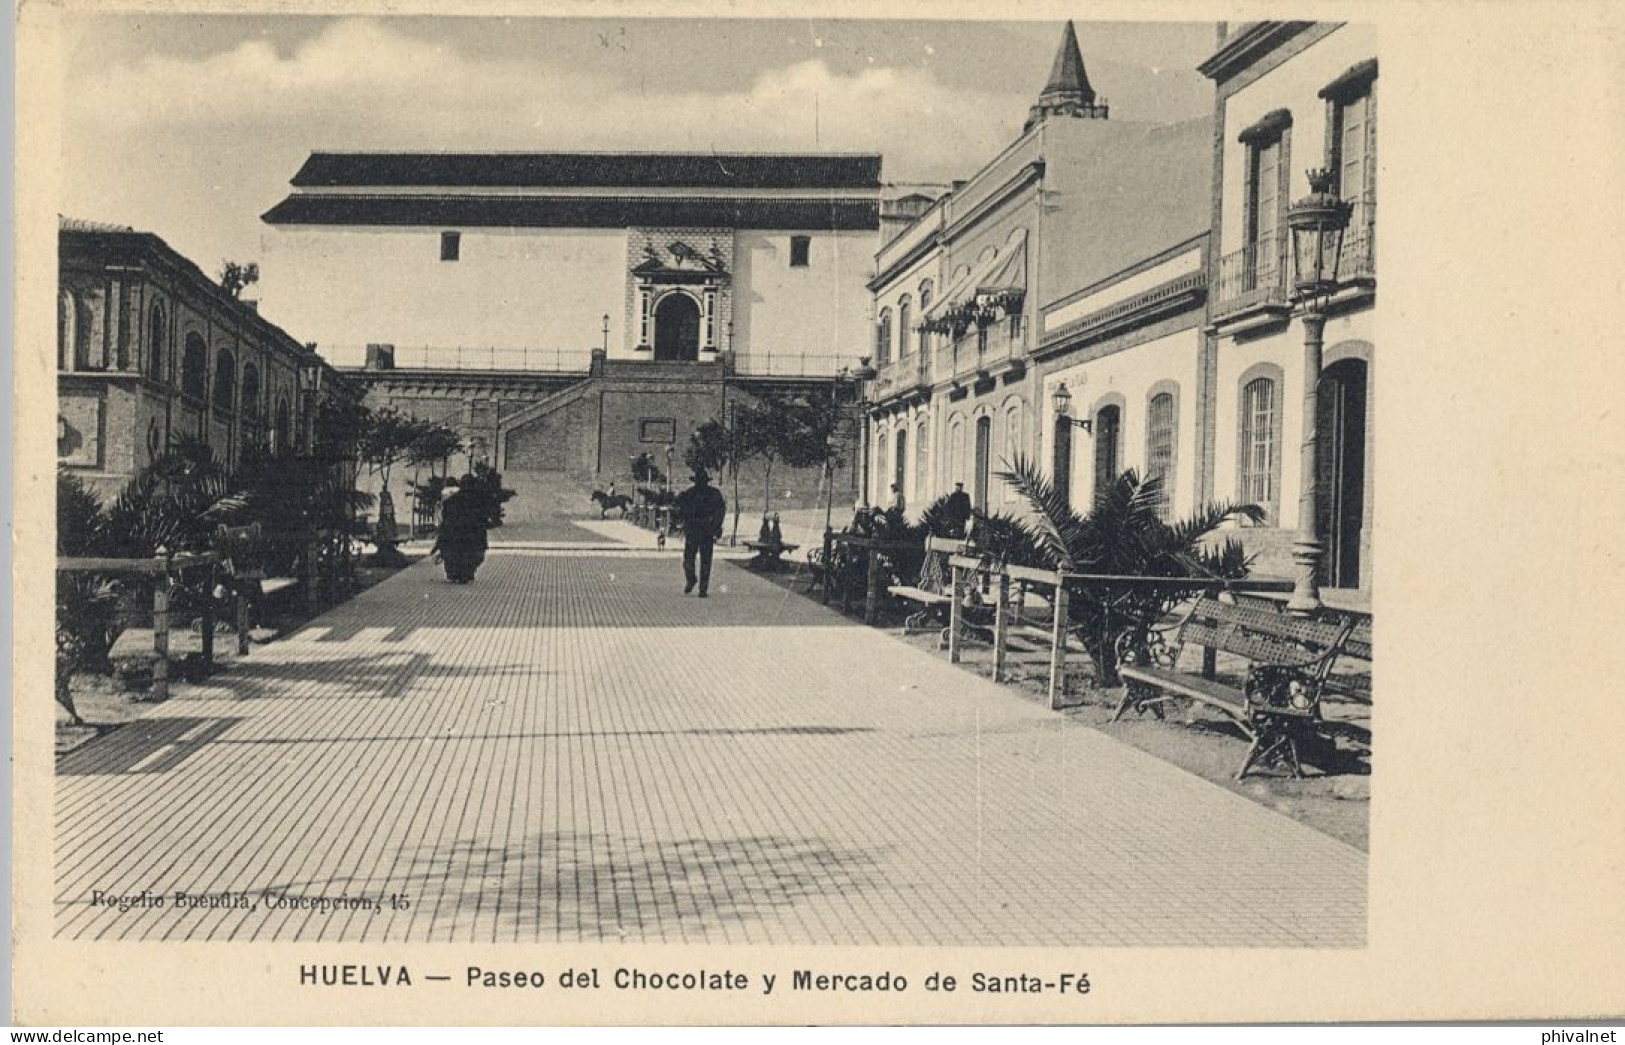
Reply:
x=1278 y=705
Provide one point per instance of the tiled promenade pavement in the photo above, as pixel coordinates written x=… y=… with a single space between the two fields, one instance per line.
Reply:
x=569 y=749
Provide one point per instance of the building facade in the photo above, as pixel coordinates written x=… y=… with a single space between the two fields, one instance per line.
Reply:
x=573 y=311
x=1292 y=97
x=1124 y=356
x=151 y=351
x=960 y=295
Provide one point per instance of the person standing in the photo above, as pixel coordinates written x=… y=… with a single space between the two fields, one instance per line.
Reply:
x=460 y=542
x=700 y=510
x=957 y=511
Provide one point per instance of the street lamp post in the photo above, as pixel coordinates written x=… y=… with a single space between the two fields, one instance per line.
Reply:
x=1317 y=222
x=606 y=334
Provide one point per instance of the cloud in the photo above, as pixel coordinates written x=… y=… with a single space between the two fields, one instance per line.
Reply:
x=362 y=83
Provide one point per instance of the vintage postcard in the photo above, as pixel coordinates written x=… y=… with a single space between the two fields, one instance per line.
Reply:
x=593 y=514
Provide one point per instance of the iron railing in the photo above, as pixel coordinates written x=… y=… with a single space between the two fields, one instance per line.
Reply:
x=460 y=357
x=794 y=364
x=1260 y=273
x=1254 y=275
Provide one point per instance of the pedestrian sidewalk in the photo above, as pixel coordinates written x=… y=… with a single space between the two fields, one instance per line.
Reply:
x=570 y=749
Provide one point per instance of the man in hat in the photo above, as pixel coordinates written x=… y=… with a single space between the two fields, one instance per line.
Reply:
x=701 y=510
x=957 y=511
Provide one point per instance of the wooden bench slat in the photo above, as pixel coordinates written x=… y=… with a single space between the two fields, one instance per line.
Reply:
x=1227 y=698
x=930 y=598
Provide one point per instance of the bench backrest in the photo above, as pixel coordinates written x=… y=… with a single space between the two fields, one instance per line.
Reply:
x=1262 y=636
x=1358 y=642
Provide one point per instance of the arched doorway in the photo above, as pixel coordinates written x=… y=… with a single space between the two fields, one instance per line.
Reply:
x=1340 y=470
x=677 y=328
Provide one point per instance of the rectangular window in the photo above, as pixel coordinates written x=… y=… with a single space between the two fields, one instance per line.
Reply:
x=451 y=245
x=657 y=430
x=800 y=247
x=1266 y=206
x=1352 y=153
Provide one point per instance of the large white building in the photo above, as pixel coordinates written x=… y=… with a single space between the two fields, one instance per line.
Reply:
x=961 y=294
x=570 y=312
x=1292 y=97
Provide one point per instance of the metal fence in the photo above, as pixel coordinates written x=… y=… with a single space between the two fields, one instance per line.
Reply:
x=456 y=357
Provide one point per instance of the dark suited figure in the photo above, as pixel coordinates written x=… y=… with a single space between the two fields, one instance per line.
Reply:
x=701 y=511
x=958 y=510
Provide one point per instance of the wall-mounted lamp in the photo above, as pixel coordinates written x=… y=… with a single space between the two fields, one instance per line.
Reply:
x=1063 y=410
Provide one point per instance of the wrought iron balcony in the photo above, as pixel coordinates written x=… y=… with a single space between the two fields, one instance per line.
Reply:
x=1359 y=257
x=1254 y=276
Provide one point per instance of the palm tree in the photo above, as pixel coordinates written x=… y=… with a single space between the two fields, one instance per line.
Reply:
x=1124 y=534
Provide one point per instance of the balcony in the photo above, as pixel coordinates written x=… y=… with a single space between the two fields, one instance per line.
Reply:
x=1256 y=279
x=1253 y=279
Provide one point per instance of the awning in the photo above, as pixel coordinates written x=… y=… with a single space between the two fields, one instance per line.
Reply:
x=992 y=288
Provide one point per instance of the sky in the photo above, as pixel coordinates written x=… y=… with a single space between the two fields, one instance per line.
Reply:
x=191 y=126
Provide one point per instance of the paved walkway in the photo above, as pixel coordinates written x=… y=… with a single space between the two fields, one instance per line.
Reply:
x=570 y=749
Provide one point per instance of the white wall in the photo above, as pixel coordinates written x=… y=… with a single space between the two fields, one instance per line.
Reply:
x=819 y=310
x=528 y=288
x=1285 y=350
x=1131 y=373
x=1293 y=86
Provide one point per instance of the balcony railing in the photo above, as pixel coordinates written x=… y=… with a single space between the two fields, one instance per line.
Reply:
x=794 y=364
x=1254 y=275
x=1259 y=274
x=1359 y=257
x=450 y=357
x=970 y=353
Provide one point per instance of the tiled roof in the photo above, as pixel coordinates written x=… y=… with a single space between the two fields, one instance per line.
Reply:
x=67 y=224
x=600 y=169
x=575 y=212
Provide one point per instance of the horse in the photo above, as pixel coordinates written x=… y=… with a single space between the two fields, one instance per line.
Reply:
x=607 y=501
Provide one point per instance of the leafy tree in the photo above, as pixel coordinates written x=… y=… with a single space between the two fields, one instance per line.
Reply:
x=235 y=278
x=719 y=447
x=435 y=444
x=813 y=440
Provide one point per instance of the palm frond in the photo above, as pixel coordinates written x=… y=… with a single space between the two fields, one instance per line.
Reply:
x=1056 y=525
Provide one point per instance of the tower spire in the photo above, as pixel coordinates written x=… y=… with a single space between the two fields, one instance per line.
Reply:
x=1067 y=93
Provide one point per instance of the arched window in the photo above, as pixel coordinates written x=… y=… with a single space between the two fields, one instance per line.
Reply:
x=881 y=475
x=905 y=309
x=251 y=391
x=1161 y=431
x=1260 y=443
x=883 y=338
x=225 y=381
x=925 y=306
x=195 y=367
x=1013 y=446
x=157 y=338
x=282 y=437
x=922 y=474
x=1108 y=449
x=955 y=470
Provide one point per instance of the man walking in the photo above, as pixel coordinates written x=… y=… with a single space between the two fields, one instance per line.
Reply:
x=701 y=510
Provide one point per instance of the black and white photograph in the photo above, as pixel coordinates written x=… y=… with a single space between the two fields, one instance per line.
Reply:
x=716 y=503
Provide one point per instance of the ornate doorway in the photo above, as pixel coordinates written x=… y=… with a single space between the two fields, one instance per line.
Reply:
x=677 y=328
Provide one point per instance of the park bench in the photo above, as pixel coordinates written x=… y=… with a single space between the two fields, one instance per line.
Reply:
x=242 y=555
x=143 y=645
x=769 y=554
x=1278 y=705
x=931 y=590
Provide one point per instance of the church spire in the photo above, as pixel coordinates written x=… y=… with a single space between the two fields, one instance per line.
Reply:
x=1068 y=92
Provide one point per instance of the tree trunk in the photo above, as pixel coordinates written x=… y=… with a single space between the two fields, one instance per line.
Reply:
x=733 y=473
x=767 y=486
